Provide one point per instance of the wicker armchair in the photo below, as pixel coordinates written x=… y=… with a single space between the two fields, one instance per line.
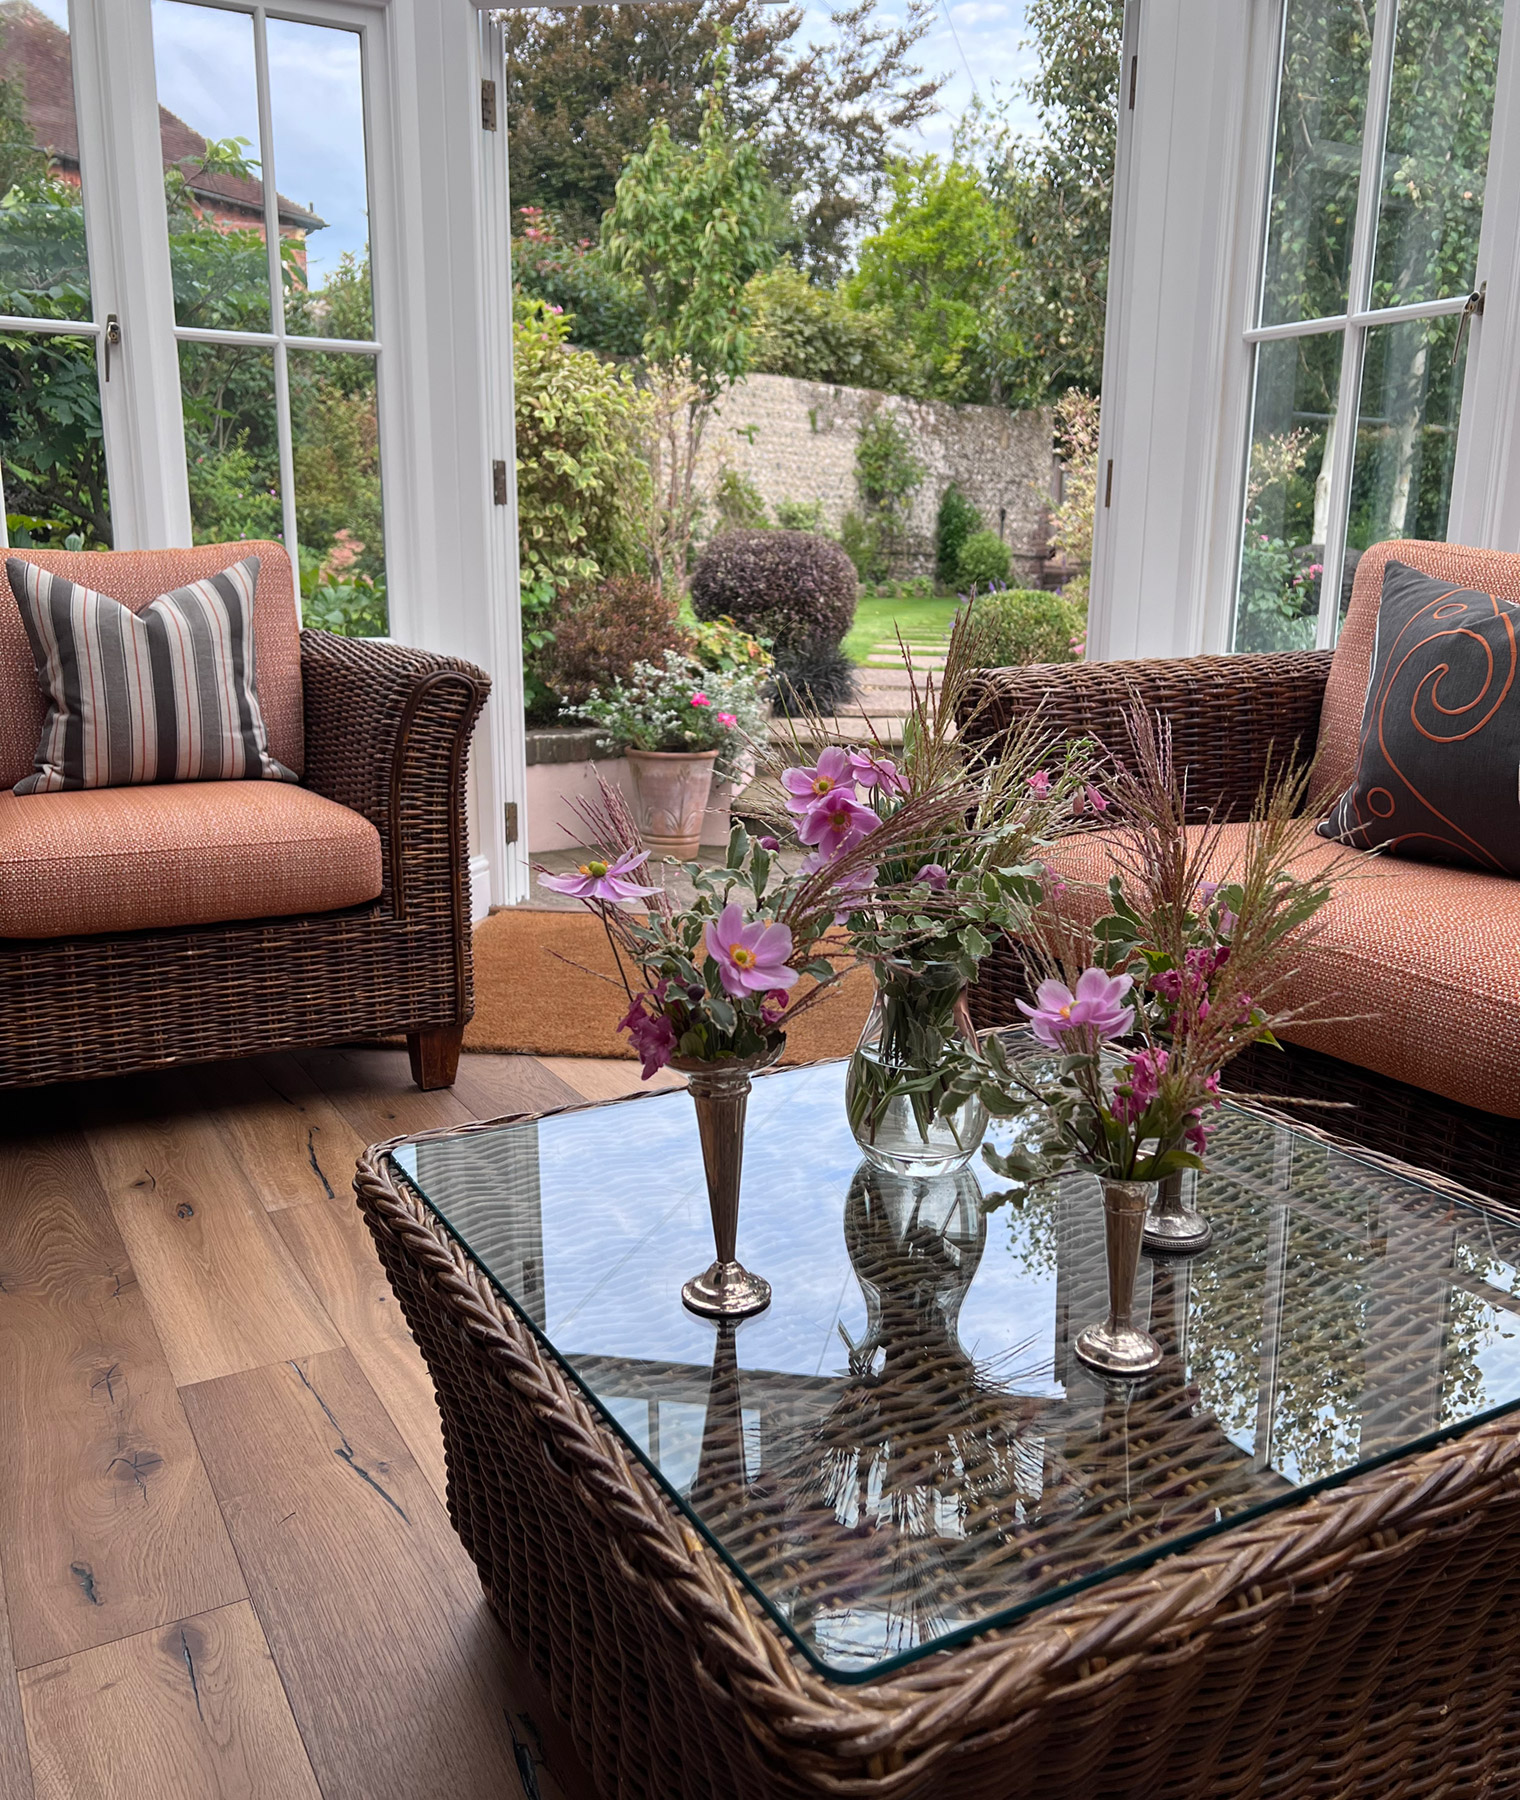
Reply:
x=386 y=736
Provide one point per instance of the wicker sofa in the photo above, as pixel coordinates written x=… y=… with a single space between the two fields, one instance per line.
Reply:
x=1417 y=960
x=146 y=926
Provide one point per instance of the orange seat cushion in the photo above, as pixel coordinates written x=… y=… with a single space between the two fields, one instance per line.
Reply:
x=1414 y=970
x=188 y=853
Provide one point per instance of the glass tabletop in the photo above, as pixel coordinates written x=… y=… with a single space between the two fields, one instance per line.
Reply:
x=903 y=1449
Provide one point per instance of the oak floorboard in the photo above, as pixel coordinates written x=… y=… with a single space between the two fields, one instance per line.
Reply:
x=337 y=1255
x=398 y=1677
x=15 y=1763
x=608 y=1077
x=374 y=1091
x=108 y=1526
x=493 y=1086
x=194 y=1709
x=224 y=1290
x=292 y=1142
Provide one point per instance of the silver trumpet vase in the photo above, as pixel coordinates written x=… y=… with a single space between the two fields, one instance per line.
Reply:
x=720 y=1093
x=1119 y=1347
x=1173 y=1225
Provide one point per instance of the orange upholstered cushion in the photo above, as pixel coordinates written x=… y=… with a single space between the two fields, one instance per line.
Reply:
x=136 y=577
x=1340 y=720
x=139 y=858
x=1417 y=961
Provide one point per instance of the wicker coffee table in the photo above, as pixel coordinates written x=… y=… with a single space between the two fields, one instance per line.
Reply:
x=889 y=1538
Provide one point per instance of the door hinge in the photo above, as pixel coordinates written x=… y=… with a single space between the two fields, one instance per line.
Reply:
x=1134 y=70
x=488 y=106
x=1108 y=483
x=509 y=812
x=112 y=340
x=499 y=483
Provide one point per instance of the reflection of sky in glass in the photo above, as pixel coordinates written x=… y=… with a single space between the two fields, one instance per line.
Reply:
x=205 y=76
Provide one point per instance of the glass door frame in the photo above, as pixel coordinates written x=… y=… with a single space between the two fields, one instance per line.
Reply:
x=1360 y=316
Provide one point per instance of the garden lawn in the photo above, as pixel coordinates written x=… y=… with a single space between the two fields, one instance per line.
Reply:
x=878 y=620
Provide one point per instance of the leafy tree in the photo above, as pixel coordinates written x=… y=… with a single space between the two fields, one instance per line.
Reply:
x=604 y=310
x=21 y=161
x=957 y=520
x=692 y=225
x=933 y=269
x=814 y=334
x=586 y=86
x=887 y=474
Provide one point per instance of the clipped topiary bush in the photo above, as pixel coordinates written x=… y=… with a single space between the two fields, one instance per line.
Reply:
x=1026 y=625
x=792 y=587
x=984 y=559
x=601 y=632
x=958 y=519
x=798 y=590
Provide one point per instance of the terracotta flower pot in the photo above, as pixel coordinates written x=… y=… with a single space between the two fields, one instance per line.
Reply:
x=671 y=788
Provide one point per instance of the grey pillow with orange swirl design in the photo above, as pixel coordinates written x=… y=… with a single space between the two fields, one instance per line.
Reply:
x=1438 y=760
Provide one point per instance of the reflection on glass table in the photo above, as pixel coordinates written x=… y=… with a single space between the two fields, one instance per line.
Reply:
x=903 y=1450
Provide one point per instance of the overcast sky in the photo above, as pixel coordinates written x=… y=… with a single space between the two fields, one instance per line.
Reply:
x=205 y=74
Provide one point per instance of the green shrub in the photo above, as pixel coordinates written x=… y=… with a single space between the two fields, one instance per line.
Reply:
x=814 y=334
x=738 y=504
x=582 y=478
x=800 y=515
x=984 y=560
x=867 y=545
x=1026 y=625
x=958 y=520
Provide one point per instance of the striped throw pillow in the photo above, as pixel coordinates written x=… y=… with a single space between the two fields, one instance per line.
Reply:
x=166 y=694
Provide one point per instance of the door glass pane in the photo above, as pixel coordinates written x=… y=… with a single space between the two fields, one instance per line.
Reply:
x=1316 y=166
x=1288 y=492
x=336 y=437
x=231 y=447
x=208 y=121
x=43 y=271
x=1406 y=435
x=52 y=453
x=316 y=98
x=1441 y=105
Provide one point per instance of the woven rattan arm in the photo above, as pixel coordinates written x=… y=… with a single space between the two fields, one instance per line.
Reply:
x=387 y=733
x=1227 y=713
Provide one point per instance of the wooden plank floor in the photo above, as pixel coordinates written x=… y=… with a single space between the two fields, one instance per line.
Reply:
x=226 y=1569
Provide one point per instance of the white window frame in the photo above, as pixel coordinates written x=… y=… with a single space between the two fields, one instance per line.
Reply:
x=1193 y=167
x=442 y=324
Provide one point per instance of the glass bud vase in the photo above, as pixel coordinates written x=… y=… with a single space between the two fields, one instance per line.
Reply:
x=720 y=1093
x=899 y=1071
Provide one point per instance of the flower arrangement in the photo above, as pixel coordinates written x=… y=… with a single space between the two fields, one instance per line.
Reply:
x=676 y=704
x=1145 y=1007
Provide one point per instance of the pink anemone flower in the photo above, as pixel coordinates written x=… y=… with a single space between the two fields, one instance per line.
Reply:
x=652 y=1033
x=873 y=771
x=751 y=959
x=597 y=880
x=1063 y=1020
x=829 y=775
x=836 y=824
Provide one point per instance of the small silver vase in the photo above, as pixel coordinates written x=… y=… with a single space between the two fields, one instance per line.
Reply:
x=720 y=1092
x=1118 y=1347
x=1173 y=1225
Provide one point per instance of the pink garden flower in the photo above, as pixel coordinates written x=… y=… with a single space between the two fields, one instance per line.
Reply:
x=727 y=719
x=831 y=774
x=1063 y=1020
x=836 y=824
x=774 y=1005
x=933 y=875
x=700 y=700
x=1039 y=783
x=873 y=771
x=769 y=843
x=1090 y=800
x=653 y=1035
x=597 y=880
x=751 y=959
x=1138 y=1084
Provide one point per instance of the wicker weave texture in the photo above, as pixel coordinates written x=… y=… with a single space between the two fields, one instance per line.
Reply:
x=1358 y=1646
x=1230 y=715
x=387 y=733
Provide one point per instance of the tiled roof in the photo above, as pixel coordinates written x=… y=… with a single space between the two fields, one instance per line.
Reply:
x=34 y=53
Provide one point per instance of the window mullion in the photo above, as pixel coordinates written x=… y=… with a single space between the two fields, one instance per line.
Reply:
x=270 y=182
x=1358 y=301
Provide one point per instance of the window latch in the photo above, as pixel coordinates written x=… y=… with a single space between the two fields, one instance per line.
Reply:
x=112 y=340
x=1472 y=310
